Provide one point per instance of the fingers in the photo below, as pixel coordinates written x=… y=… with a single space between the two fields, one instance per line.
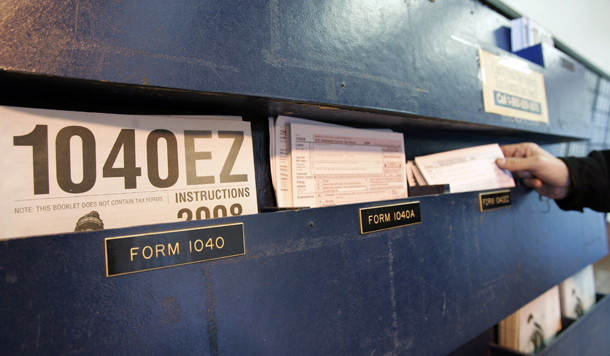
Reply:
x=520 y=168
x=523 y=174
x=538 y=168
x=524 y=149
x=509 y=150
x=553 y=192
x=533 y=183
x=517 y=164
x=519 y=174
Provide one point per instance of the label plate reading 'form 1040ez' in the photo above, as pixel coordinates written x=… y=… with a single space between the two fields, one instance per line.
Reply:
x=389 y=216
x=494 y=200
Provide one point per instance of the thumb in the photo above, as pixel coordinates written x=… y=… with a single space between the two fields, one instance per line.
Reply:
x=515 y=164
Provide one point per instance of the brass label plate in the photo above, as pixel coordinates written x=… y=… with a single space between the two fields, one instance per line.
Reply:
x=389 y=216
x=494 y=200
x=138 y=253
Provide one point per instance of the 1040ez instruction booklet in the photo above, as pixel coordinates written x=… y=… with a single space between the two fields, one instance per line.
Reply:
x=71 y=171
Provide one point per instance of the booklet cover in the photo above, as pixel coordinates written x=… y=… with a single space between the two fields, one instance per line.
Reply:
x=71 y=171
x=578 y=293
x=533 y=326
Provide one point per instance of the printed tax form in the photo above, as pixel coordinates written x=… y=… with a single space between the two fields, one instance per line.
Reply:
x=467 y=169
x=281 y=166
x=338 y=165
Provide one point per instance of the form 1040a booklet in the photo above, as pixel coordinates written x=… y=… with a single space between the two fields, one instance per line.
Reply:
x=339 y=165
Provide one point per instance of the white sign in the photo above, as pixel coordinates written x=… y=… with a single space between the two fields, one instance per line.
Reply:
x=71 y=171
x=510 y=88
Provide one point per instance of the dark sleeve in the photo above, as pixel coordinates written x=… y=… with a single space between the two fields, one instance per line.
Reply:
x=590 y=182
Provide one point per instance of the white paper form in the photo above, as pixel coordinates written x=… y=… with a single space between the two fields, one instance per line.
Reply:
x=280 y=158
x=272 y=158
x=467 y=169
x=337 y=165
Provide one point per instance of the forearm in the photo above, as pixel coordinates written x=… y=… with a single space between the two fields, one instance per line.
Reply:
x=590 y=182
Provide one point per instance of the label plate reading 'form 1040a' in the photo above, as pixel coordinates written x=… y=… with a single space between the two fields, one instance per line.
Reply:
x=389 y=216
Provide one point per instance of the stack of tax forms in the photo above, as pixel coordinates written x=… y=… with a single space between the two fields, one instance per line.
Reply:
x=315 y=164
x=465 y=170
x=534 y=326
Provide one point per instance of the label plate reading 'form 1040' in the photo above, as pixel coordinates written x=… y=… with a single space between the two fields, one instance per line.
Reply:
x=389 y=216
x=138 y=253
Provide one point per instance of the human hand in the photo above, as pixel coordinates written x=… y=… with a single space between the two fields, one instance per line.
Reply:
x=540 y=170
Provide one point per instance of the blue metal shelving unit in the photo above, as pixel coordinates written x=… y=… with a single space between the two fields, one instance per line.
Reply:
x=309 y=282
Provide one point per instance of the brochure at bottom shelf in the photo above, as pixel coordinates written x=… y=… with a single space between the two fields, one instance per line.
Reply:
x=577 y=293
x=72 y=171
x=466 y=169
x=534 y=326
